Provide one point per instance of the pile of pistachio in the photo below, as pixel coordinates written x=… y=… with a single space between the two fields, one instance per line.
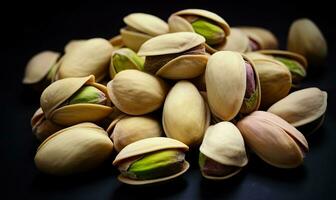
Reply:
x=148 y=95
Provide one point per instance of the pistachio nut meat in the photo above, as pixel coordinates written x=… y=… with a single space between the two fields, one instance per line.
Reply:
x=91 y=57
x=140 y=28
x=222 y=153
x=40 y=69
x=125 y=58
x=259 y=38
x=306 y=39
x=137 y=93
x=73 y=100
x=175 y=55
x=130 y=129
x=75 y=149
x=296 y=63
x=208 y=24
x=151 y=160
x=232 y=85
x=273 y=139
x=237 y=41
x=304 y=109
x=185 y=115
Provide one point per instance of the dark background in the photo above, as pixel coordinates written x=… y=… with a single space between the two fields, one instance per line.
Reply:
x=28 y=28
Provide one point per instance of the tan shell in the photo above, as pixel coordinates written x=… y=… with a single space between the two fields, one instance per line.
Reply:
x=75 y=149
x=305 y=38
x=236 y=41
x=273 y=139
x=301 y=107
x=185 y=115
x=275 y=80
x=89 y=57
x=58 y=92
x=133 y=40
x=39 y=66
x=224 y=144
x=117 y=42
x=264 y=37
x=287 y=54
x=225 y=78
x=136 y=93
x=73 y=44
x=131 y=129
x=256 y=55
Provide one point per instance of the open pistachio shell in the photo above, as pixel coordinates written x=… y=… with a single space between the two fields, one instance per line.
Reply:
x=130 y=129
x=54 y=97
x=302 y=107
x=136 y=93
x=261 y=37
x=237 y=41
x=72 y=150
x=224 y=144
x=39 y=66
x=145 y=146
x=141 y=27
x=89 y=57
x=306 y=39
x=185 y=115
x=178 y=23
x=273 y=139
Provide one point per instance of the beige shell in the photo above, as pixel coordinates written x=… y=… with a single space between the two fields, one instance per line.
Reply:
x=237 y=41
x=89 y=57
x=225 y=78
x=299 y=58
x=39 y=66
x=131 y=129
x=75 y=149
x=305 y=38
x=73 y=44
x=185 y=115
x=273 y=139
x=275 y=80
x=136 y=93
x=117 y=42
x=58 y=92
x=301 y=107
x=224 y=144
x=264 y=38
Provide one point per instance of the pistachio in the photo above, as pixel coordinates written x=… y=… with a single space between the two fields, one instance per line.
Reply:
x=117 y=42
x=212 y=33
x=73 y=44
x=76 y=149
x=151 y=160
x=222 y=153
x=237 y=41
x=297 y=71
x=136 y=93
x=304 y=109
x=305 y=38
x=125 y=58
x=260 y=38
x=88 y=94
x=273 y=139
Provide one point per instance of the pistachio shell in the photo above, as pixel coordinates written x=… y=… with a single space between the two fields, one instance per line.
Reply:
x=117 y=42
x=146 y=23
x=136 y=93
x=75 y=149
x=237 y=41
x=185 y=115
x=39 y=66
x=287 y=54
x=131 y=129
x=301 y=107
x=133 y=40
x=73 y=44
x=305 y=38
x=264 y=38
x=224 y=144
x=90 y=57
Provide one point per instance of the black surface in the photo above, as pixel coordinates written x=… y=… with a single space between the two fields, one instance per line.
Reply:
x=28 y=28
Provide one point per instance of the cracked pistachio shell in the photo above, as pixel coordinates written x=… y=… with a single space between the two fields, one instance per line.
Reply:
x=224 y=144
x=89 y=57
x=263 y=38
x=185 y=115
x=273 y=139
x=141 y=27
x=178 y=23
x=130 y=129
x=136 y=93
x=56 y=95
x=306 y=39
x=39 y=66
x=302 y=107
x=76 y=149
x=237 y=41
x=275 y=80
x=145 y=146
x=184 y=66
x=225 y=78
